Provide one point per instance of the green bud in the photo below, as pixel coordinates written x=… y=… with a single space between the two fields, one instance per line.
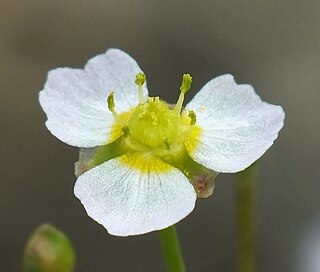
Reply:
x=186 y=83
x=48 y=250
x=140 y=79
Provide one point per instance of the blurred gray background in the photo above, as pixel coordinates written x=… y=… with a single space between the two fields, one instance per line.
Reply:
x=273 y=45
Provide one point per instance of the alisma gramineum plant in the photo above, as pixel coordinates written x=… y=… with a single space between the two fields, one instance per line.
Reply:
x=143 y=162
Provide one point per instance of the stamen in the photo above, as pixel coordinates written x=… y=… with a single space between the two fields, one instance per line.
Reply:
x=140 y=80
x=185 y=86
x=193 y=117
x=111 y=106
x=166 y=142
x=125 y=130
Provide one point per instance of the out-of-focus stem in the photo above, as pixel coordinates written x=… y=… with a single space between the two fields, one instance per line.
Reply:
x=245 y=206
x=171 y=250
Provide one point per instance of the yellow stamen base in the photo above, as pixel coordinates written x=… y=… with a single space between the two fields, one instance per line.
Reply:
x=145 y=163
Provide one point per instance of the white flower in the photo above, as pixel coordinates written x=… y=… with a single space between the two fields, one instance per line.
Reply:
x=151 y=159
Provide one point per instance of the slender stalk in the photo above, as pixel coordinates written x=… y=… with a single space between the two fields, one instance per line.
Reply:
x=171 y=250
x=245 y=195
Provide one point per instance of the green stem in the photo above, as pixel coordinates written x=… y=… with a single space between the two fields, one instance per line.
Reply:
x=171 y=250
x=245 y=194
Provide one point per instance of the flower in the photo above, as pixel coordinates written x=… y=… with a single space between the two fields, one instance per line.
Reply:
x=142 y=161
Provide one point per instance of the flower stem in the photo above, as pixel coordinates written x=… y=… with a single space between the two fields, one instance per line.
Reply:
x=245 y=194
x=171 y=250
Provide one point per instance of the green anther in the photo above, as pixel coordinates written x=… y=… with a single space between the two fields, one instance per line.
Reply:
x=166 y=142
x=110 y=101
x=186 y=83
x=125 y=130
x=193 y=117
x=140 y=79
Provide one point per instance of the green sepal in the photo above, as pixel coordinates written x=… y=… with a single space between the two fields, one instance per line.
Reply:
x=109 y=151
x=200 y=177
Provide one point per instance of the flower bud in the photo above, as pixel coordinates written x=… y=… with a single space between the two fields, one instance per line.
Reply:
x=48 y=250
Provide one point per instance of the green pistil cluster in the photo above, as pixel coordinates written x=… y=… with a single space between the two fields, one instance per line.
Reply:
x=153 y=124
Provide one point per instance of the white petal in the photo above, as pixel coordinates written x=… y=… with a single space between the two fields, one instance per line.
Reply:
x=75 y=111
x=75 y=99
x=237 y=127
x=128 y=202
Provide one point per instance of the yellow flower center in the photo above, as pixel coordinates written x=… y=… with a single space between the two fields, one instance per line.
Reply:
x=154 y=133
